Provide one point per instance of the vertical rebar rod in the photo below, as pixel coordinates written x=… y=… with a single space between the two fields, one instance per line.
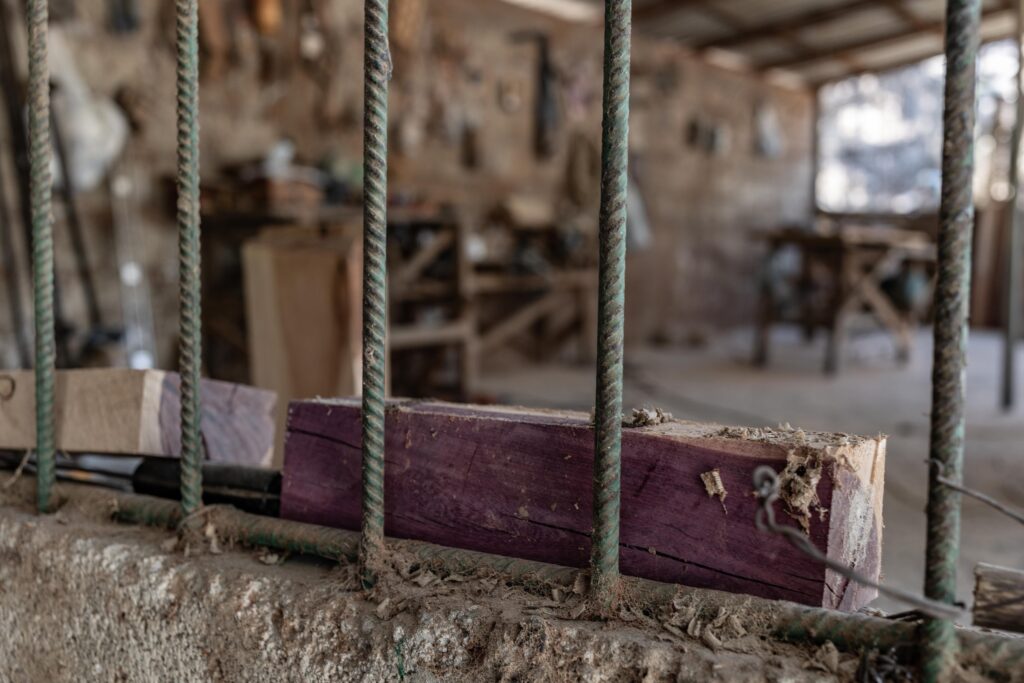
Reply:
x=41 y=189
x=190 y=304
x=1011 y=323
x=604 y=559
x=952 y=294
x=377 y=72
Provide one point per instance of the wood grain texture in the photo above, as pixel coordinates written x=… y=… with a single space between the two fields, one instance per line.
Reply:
x=999 y=598
x=135 y=412
x=299 y=280
x=517 y=482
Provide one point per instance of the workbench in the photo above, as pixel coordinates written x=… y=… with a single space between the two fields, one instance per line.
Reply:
x=853 y=261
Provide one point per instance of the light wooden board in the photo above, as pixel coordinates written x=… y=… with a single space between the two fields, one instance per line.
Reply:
x=136 y=412
x=303 y=297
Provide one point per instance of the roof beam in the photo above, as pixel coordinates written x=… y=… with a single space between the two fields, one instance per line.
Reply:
x=849 y=49
x=900 y=9
x=788 y=25
x=663 y=8
x=901 y=63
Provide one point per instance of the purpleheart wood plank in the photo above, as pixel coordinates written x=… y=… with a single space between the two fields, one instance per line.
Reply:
x=237 y=425
x=518 y=484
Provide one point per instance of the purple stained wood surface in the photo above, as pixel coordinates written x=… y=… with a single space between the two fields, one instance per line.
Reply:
x=519 y=484
x=237 y=421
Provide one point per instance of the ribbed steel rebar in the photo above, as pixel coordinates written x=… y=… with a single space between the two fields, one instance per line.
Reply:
x=42 y=246
x=783 y=620
x=939 y=642
x=604 y=560
x=190 y=304
x=377 y=72
x=1011 y=325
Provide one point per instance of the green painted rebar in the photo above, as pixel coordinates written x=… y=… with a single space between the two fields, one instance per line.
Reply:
x=377 y=72
x=604 y=559
x=190 y=305
x=1011 y=325
x=782 y=620
x=42 y=246
x=939 y=643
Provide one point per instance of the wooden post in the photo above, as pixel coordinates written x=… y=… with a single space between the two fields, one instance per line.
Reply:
x=999 y=598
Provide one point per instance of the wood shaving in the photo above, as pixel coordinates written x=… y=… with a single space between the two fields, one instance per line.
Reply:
x=713 y=485
x=710 y=639
x=647 y=417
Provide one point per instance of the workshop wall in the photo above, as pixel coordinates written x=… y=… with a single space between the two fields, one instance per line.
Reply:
x=716 y=154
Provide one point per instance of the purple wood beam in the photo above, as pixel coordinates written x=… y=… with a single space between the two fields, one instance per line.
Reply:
x=517 y=482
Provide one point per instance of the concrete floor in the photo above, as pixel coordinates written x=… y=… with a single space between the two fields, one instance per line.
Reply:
x=871 y=395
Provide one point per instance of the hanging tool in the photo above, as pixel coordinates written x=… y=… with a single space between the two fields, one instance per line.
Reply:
x=97 y=334
x=123 y=16
x=12 y=280
x=546 y=114
x=13 y=91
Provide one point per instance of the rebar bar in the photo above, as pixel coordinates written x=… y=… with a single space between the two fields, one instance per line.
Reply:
x=190 y=304
x=41 y=191
x=952 y=292
x=377 y=72
x=782 y=620
x=1011 y=325
x=604 y=559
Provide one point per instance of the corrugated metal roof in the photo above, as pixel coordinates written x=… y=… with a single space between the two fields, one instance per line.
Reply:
x=820 y=40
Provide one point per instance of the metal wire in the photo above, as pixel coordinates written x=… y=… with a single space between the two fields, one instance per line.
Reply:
x=377 y=72
x=42 y=247
x=766 y=485
x=956 y=212
x=604 y=559
x=1010 y=512
x=190 y=348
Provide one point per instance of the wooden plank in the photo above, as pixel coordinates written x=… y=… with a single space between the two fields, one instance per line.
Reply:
x=298 y=280
x=522 y=319
x=135 y=412
x=999 y=598
x=407 y=272
x=517 y=482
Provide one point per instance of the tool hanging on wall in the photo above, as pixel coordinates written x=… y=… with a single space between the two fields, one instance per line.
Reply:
x=13 y=90
x=97 y=334
x=12 y=280
x=123 y=16
x=546 y=114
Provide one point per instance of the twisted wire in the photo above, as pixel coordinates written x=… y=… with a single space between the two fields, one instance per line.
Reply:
x=41 y=188
x=377 y=71
x=190 y=305
x=611 y=302
x=766 y=486
x=956 y=214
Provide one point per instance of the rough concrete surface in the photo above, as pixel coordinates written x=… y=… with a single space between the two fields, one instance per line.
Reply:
x=83 y=599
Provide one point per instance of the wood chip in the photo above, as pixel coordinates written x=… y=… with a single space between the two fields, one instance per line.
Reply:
x=710 y=639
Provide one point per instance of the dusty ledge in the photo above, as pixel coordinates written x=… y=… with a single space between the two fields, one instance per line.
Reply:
x=84 y=599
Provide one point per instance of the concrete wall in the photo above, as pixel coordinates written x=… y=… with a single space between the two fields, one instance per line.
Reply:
x=451 y=62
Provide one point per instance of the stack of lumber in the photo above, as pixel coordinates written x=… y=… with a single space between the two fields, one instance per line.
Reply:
x=517 y=482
